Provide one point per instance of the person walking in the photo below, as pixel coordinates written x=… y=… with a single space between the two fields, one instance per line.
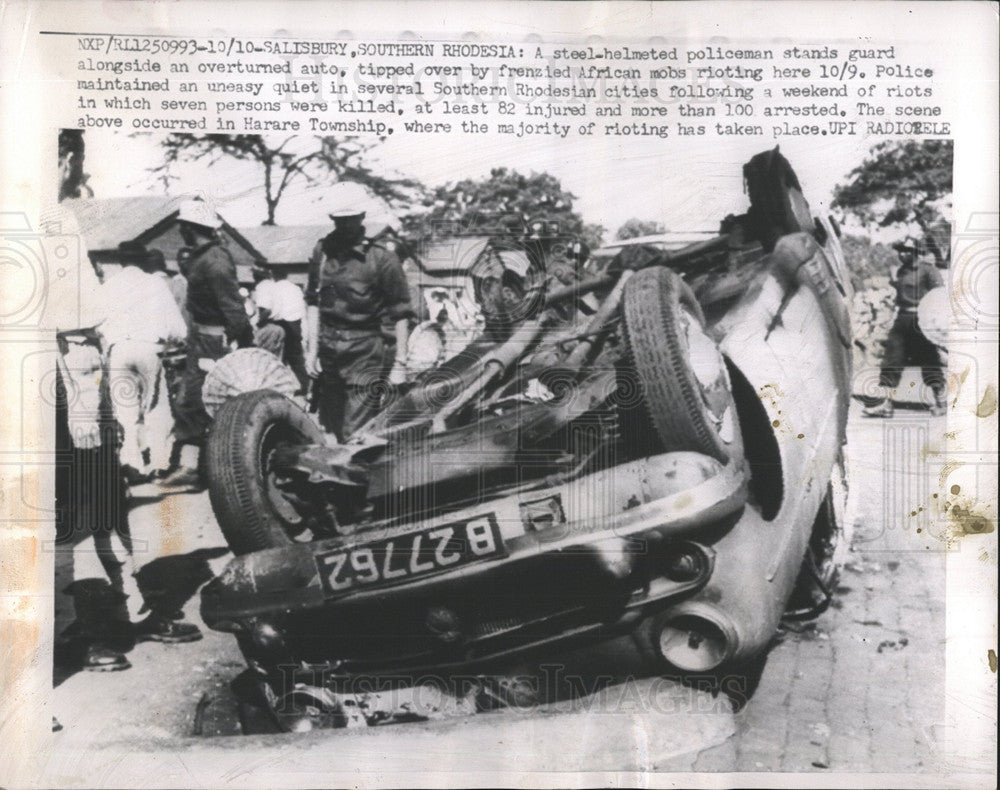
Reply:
x=907 y=344
x=141 y=319
x=358 y=313
x=218 y=318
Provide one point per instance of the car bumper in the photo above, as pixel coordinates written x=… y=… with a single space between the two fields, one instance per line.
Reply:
x=602 y=563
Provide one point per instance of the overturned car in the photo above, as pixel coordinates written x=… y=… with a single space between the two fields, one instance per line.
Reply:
x=664 y=460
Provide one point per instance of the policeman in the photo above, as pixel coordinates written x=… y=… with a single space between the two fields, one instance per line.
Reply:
x=906 y=344
x=358 y=312
x=218 y=318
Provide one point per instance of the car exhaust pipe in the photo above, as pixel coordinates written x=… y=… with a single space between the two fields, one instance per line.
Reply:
x=695 y=637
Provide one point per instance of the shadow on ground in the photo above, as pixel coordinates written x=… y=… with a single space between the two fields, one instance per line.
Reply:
x=166 y=583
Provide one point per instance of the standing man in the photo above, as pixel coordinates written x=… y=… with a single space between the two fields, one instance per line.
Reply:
x=281 y=303
x=141 y=318
x=218 y=318
x=357 y=317
x=906 y=344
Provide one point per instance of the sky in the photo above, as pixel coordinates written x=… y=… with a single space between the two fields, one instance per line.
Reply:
x=686 y=184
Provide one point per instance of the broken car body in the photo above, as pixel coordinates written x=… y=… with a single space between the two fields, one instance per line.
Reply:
x=665 y=465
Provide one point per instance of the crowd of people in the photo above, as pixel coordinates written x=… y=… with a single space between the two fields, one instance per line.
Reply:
x=122 y=422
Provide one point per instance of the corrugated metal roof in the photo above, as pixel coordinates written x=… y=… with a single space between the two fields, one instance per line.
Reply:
x=285 y=243
x=106 y=222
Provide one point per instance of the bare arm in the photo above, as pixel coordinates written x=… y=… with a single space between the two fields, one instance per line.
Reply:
x=310 y=335
x=310 y=330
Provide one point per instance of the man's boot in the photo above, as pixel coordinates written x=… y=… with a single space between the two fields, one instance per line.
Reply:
x=160 y=627
x=99 y=633
x=881 y=409
x=189 y=475
x=183 y=478
x=134 y=477
x=101 y=658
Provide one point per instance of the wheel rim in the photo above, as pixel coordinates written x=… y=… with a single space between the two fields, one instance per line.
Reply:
x=709 y=373
x=274 y=437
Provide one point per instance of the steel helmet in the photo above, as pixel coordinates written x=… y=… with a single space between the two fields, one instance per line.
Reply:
x=347 y=199
x=199 y=212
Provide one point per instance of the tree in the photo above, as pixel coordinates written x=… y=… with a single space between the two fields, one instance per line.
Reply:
x=903 y=183
x=634 y=228
x=307 y=160
x=867 y=259
x=505 y=201
x=593 y=234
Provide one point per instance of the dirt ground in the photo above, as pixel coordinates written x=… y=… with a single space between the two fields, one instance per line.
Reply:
x=861 y=689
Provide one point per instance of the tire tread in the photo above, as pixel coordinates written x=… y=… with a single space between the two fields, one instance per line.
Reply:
x=240 y=507
x=657 y=356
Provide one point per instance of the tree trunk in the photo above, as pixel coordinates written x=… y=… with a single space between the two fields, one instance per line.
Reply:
x=272 y=202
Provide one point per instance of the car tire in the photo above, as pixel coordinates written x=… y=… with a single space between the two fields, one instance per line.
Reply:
x=817 y=580
x=676 y=373
x=250 y=511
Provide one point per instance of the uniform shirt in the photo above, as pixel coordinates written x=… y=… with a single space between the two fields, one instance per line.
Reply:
x=358 y=288
x=913 y=282
x=139 y=306
x=214 y=293
x=281 y=298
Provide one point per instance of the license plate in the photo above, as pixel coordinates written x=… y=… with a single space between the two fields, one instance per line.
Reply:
x=412 y=556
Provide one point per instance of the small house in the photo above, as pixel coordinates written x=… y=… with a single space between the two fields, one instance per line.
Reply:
x=149 y=220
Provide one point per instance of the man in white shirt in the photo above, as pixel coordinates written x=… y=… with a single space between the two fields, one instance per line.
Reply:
x=141 y=318
x=282 y=303
x=267 y=334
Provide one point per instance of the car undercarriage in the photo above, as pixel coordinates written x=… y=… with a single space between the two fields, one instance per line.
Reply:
x=583 y=470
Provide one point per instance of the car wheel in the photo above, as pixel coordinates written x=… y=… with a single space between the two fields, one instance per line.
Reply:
x=676 y=369
x=820 y=571
x=252 y=511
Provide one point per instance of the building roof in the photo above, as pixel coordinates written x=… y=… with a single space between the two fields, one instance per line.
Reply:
x=285 y=244
x=450 y=256
x=150 y=219
x=106 y=222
